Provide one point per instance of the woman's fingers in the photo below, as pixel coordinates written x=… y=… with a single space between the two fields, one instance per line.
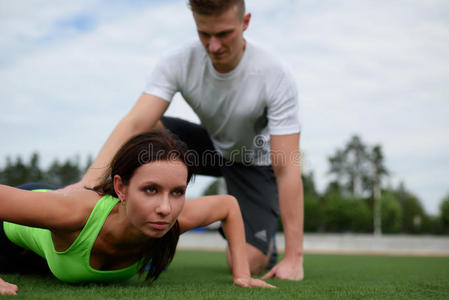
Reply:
x=261 y=283
x=251 y=282
x=7 y=288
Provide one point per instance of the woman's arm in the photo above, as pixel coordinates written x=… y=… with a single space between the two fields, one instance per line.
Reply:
x=46 y=210
x=206 y=210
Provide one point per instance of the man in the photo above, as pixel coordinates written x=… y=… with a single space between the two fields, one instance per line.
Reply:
x=248 y=106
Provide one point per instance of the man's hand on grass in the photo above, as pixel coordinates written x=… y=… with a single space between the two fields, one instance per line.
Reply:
x=7 y=288
x=252 y=282
x=287 y=269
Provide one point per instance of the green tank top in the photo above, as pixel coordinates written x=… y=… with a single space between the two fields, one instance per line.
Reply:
x=73 y=264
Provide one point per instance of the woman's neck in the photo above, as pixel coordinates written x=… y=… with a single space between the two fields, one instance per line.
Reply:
x=118 y=245
x=120 y=233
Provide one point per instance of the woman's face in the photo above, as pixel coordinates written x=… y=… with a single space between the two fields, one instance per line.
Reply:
x=155 y=196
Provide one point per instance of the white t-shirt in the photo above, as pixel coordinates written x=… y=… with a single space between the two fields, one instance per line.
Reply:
x=239 y=109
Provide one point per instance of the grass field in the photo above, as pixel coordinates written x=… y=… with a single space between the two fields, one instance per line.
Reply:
x=204 y=275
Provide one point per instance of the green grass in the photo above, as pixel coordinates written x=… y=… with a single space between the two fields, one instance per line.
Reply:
x=204 y=275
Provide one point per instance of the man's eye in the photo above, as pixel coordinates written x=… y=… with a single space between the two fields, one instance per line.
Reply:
x=222 y=35
x=204 y=35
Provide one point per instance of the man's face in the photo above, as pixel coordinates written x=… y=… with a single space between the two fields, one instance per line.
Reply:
x=222 y=37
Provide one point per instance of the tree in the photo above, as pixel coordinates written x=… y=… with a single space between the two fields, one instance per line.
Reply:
x=14 y=173
x=342 y=214
x=444 y=214
x=391 y=213
x=59 y=174
x=358 y=171
x=18 y=172
x=62 y=174
x=373 y=182
x=413 y=213
x=350 y=167
x=308 y=183
x=312 y=210
x=35 y=174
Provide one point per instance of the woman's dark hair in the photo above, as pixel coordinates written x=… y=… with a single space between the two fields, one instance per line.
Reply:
x=152 y=146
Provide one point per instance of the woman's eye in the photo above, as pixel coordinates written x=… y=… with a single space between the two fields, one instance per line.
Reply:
x=178 y=193
x=150 y=189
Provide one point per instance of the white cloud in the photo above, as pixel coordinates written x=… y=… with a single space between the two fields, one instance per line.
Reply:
x=374 y=68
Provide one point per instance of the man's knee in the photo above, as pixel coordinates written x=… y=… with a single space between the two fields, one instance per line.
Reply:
x=257 y=259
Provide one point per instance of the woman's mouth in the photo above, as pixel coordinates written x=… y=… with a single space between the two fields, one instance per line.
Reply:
x=159 y=225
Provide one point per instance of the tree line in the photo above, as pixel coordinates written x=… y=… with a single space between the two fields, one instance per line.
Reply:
x=359 y=199
x=59 y=173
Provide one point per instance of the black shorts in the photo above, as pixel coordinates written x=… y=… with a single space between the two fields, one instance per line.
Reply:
x=254 y=186
x=15 y=259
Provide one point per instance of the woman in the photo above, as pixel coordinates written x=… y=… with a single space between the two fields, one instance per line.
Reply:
x=112 y=231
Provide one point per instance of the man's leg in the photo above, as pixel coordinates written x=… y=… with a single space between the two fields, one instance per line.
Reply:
x=257 y=184
x=202 y=154
x=256 y=190
x=274 y=254
x=15 y=259
x=36 y=186
x=257 y=259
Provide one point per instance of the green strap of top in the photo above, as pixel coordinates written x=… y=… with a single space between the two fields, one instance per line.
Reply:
x=73 y=264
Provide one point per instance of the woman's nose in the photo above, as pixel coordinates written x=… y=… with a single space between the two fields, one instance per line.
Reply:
x=164 y=207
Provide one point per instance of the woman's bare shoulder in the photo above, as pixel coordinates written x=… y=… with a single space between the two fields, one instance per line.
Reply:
x=82 y=203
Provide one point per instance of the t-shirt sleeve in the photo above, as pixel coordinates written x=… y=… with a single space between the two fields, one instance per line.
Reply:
x=283 y=107
x=161 y=82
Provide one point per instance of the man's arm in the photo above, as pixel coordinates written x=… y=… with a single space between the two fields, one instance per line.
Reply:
x=141 y=118
x=285 y=161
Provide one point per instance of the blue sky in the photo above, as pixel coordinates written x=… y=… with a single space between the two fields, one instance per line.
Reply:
x=70 y=70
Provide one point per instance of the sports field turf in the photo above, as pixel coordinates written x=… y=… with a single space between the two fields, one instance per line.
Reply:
x=204 y=275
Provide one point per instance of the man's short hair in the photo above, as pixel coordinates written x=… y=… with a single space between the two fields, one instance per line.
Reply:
x=216 y=7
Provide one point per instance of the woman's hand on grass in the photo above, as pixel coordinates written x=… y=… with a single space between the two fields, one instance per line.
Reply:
x=7 y=288
x=252 y=282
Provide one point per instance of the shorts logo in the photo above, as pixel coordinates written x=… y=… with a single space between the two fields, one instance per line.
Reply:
x=261 y=235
